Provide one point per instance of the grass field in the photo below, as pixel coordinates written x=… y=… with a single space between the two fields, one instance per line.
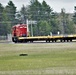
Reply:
x=41 y=59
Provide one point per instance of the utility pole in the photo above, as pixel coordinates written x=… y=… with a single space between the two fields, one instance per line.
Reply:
x=27 y=27
x=31 y=29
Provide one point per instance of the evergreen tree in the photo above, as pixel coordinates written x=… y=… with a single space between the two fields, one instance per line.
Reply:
x=35 y=10
x=24 y=14
x=40 y=12
x=6 y=23
x=44 y=28
x=1 y=19
x=9 y=17
x=11 y=12
x=54 y=23
x=46 y=11
x=63 y=20
x=66 y=25
x=1 y=11
x=74 y=16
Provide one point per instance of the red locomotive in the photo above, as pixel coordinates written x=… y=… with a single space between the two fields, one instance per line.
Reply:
x=19 y=30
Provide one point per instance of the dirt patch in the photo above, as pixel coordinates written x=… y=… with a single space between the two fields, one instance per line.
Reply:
x=23 y=54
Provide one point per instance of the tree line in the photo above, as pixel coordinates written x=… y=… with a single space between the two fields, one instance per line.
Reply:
x=47 y=20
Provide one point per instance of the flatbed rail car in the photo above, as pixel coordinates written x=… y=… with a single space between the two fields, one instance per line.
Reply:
x=20 y=34
x=56 y=38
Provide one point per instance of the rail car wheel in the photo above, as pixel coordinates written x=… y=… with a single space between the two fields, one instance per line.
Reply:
x=31 y=41
x=61 y=40
x=52 y=40
x=70 y=40
x=47 y=40
x=55 y=40
x=14 y=39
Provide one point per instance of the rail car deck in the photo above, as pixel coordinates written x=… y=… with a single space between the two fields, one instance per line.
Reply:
x=55 y=38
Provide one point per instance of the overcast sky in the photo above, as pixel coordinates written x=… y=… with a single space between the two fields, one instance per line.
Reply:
x=55 y=4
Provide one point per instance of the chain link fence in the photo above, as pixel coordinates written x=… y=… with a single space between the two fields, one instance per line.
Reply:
x=6 y=38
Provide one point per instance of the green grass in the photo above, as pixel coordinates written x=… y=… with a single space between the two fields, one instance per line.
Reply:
x=42 y=59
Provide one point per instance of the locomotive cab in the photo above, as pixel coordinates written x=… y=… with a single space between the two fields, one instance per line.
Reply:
x=19 y=30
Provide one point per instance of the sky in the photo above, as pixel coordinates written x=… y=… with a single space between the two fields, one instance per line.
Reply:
x=56 y=5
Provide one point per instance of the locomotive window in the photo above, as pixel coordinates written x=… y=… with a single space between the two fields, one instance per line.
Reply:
x=14 y=28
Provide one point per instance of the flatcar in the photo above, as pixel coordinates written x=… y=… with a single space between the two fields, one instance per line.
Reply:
x=20 y=34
